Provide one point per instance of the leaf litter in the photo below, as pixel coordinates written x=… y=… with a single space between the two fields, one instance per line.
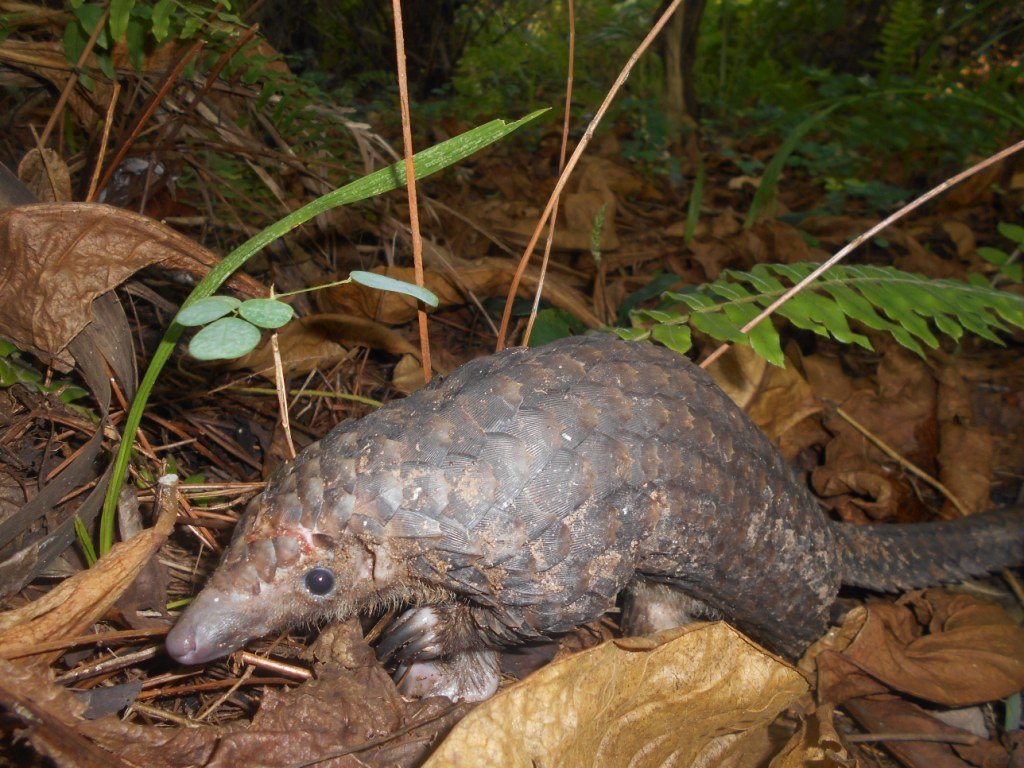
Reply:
x=703 y=695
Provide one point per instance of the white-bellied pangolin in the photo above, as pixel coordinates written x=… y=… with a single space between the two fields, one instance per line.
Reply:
x=516 y=498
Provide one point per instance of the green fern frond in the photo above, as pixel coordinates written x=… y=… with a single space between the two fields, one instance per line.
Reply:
x=901 y=37
x=911 y=308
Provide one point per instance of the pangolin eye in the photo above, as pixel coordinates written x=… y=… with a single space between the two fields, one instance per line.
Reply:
x=319 y=581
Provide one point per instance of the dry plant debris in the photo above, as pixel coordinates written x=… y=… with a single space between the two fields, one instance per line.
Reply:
x=701 y=694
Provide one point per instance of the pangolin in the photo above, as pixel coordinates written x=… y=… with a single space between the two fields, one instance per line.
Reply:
x=516 y=498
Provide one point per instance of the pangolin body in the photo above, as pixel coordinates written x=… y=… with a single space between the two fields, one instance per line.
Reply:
x=517 y=497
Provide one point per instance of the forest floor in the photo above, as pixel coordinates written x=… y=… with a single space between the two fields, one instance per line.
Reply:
x=879 y=434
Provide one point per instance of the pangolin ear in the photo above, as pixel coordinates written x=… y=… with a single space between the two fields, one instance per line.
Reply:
x=323 y=541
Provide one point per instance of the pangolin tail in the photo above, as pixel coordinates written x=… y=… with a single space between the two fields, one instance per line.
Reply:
x=890 y=558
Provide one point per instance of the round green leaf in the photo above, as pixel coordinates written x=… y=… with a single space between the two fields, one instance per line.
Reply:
x=385 y=283
x=266 y=313
x=206 y=310
x=225 y=339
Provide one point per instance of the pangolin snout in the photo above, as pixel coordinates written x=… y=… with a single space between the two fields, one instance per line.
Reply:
x=191 y=643
x=214 y=625
x=181 y=643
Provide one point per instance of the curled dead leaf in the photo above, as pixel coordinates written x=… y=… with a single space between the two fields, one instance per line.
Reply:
x=77 y=602
x=408 y=375
x=892 y=652
x=58 y=257
x=815 y=743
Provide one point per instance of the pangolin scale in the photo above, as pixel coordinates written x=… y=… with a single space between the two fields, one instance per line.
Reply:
x=516 y=498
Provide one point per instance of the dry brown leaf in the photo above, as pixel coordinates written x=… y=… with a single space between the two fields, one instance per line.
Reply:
x=783 y=401
x=866 y=489
x=321 y=341
x=689 y=695
x=582 y=211
x=58 y=257
x=739 y=373
x=967 y=451
x=597 y=184
x=786 y=244
x=712 y=256
x=967 y=458
x=408 y=375
x=954 y=398
x=826 y=377
x=46 y=175
x=891 y=652
x=77 y=602
x=725 y=224
x=816 y=743
x=738 y=182
x=352 y=712
x=962 y=237
x=835 y=231
x=776 y=399
x=902 y=413
x=897 y=716
x=979 y=188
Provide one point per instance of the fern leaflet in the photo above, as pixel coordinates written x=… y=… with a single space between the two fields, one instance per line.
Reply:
x=909 y=307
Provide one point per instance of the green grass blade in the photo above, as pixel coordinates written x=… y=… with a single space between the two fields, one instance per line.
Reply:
x=425 y=163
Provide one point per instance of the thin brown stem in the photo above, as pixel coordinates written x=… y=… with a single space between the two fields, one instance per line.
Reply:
x=585 y=140
x=104 y=139
x=65 y=93
x=561 y=166
x=410 y=183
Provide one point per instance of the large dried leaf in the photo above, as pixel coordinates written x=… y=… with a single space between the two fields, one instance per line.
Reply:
x=967 y=448
x=967 y=457
x=58 y=257
x=702 y=693
x=973 y=652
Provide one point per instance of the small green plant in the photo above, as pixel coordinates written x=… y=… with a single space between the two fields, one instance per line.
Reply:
x=906 y=306
x=142 y=26
x=425 y=162
x=233 y=328
x=14 y=371
x=1008 y=266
